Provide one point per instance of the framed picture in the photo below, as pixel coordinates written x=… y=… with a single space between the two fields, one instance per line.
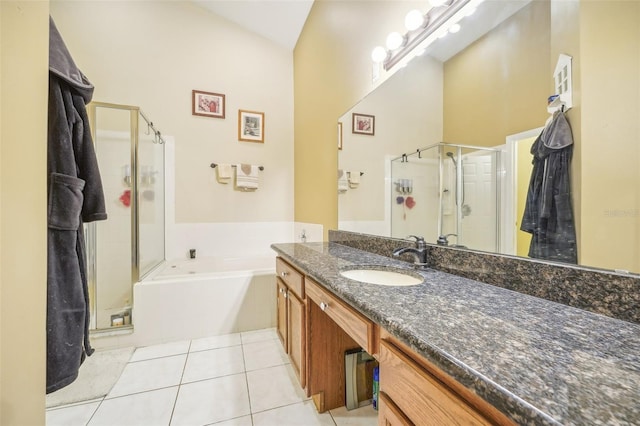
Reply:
x=364 y=124
x=340 y=135
x=250 y=126
x=207 y=104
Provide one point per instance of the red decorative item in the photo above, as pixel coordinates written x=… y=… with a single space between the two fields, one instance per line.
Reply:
x=410 y=202
x=125 y=198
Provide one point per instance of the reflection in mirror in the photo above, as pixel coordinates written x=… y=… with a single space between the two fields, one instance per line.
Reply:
x=448 y=194
x=490 y=92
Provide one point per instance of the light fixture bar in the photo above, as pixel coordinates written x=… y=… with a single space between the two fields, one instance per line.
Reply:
x=435 y=18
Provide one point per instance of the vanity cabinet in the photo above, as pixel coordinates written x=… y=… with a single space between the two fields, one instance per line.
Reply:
x=357 y=326
x=291 y=318
x=389 y=414
x=317 y=327
x=413 y=391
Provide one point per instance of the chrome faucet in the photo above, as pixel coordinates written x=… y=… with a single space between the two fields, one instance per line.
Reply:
x=419 y=252
x=443 y=241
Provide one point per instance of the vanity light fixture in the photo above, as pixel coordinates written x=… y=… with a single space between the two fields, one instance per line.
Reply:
x=414 y=20
x=395 y=40
x=441 y=19
x=378 y=54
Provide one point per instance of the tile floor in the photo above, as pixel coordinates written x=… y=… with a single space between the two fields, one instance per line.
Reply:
x=237 y=379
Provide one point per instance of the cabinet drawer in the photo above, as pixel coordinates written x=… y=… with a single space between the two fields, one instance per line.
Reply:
x=389 y=414
x=419 y=395
x=291 y=277
x=356 y=325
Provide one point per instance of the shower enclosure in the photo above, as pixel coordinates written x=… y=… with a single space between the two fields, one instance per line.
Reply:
x=448 y=193
x=127 y=246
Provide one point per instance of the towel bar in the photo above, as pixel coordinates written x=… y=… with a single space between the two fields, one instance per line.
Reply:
x=214 y=165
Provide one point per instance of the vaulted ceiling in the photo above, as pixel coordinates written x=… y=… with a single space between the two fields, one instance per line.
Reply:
x=280 y=21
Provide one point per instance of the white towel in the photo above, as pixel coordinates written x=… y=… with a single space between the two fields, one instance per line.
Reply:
x=354 y=179
x=343 y=185
x=247 y=176
x=224 y=173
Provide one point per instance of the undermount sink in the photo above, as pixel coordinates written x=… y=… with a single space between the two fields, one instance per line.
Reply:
x=383 y=277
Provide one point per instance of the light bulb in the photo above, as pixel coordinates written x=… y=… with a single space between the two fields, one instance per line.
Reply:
x=378 y=54
x=436 y=3
x=394 y=40
x=413 y=20
x=454 y=28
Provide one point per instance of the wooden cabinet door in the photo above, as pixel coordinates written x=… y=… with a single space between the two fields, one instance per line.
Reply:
x=282 y=313
x=389 y=414
x=420 y=395
x=296 y=337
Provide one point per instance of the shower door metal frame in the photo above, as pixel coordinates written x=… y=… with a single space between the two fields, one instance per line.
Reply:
x=91 y=234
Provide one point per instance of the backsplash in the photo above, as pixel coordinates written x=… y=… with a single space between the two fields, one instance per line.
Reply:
x=603 y=292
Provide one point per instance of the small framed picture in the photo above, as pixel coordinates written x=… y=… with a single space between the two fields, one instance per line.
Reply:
x=251 y=126
x=207 y=104
x=364 y=124
x=339 y=135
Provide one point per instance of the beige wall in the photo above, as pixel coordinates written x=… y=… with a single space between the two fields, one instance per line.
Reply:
x=332 y=71
x=153 y=54
x=24 y=34
x=610 y=66
x=408 y=111
x=499 y=85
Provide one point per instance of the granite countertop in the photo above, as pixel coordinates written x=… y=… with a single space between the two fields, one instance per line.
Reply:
x=539 y=362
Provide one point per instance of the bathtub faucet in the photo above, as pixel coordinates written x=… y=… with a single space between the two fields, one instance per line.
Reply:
x=419 y=252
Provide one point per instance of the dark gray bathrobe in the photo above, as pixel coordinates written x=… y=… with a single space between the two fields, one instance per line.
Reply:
x=548 y=215
x=74 y=196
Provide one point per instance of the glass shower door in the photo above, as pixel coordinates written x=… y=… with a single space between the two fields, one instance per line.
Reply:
x=478 y=221
x=110 y=290
x=448 y=190
x=415 y=192
x=130 y=243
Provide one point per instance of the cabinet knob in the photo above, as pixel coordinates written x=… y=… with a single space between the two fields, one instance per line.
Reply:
x=324 y=306
x=284 y=274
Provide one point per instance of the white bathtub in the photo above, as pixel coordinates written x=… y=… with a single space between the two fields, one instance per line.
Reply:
x=188 y=299
x=187 y=268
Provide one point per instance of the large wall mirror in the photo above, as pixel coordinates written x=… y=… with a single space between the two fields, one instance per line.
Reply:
x=449 y=154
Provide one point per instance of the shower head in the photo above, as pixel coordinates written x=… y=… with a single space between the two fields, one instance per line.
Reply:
x=450 y=155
